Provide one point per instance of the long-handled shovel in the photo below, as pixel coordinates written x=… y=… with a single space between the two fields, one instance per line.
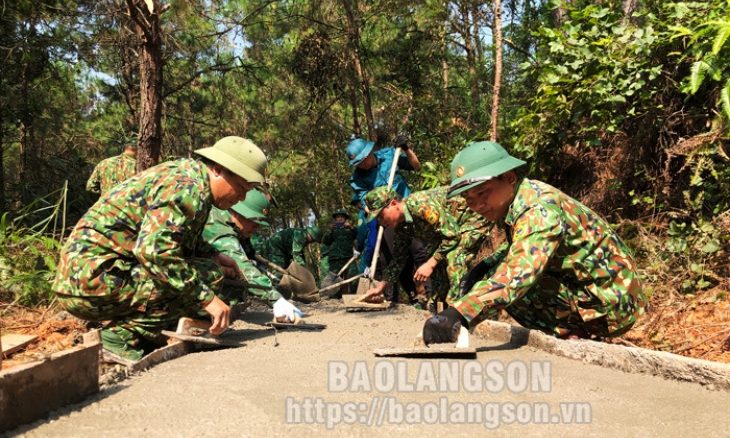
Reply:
x=331 y=289
x=333 y=278
x=366 y=284
x=296 y=280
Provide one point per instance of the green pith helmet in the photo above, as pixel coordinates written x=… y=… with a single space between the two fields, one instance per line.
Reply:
x=340 y=211
x=316 y=233
x=255 y=207
x=358 y=150
x=377 y=199
x=477 y=163
x=240 y=156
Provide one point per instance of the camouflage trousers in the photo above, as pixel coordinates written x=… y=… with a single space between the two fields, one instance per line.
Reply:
x=137 y=309
x=462 y=259
x=558 y=309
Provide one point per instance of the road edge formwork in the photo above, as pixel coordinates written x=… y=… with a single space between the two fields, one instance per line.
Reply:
x=712 y=375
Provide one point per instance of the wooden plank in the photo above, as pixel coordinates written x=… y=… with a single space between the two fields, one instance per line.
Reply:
x=204 y=339
x=168 y=352
x=354 y=306
x=162 y=354
x=431 y=352
x=13 y=342
x=300 y=326
x=30 y=391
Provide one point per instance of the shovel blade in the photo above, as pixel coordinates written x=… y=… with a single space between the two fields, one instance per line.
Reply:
x=301 y=283
x=330 y=279
x=365 y=284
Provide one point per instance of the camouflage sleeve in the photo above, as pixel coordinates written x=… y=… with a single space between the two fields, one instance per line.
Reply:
x=93 y=184
x=299 y=242
x=226 y=241
x=535 y=238
x=159 y=247
x=448 y=228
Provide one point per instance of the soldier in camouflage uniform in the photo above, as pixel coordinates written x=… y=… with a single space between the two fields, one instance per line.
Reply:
x=288 y=245
x=229 y=232
x=340 y=238
x=452 y=232
x=137 y=257
x=114 y=170
x=563 y=270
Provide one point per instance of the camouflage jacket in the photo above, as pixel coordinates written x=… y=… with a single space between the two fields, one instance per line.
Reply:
x=288 y=245
x=550 y=233
x=443 y=224
x=222 y=233
x=340 y=242
x=144 y=230
x=111 y=172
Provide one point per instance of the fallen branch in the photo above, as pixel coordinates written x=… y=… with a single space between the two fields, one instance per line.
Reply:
x=689 y=347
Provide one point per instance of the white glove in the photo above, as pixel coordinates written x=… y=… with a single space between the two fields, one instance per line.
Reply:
x=366 y=273
x=356 y=254
x=284 y=311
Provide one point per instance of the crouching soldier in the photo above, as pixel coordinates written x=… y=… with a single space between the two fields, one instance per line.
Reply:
x=452 y=232
x=563 y=270
x=229 y=232
x=288 y=245
x=131 y=258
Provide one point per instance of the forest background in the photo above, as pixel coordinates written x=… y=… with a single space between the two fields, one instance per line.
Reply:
x=622 y=104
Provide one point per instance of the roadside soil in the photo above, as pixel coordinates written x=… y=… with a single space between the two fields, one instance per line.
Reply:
x=261 y=390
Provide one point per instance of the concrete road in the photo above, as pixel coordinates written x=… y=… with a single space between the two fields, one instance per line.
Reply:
x=330 y=383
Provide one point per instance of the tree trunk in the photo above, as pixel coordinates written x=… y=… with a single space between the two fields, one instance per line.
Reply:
x=146 y=18
x=629 y=7
x=558 y=16
x=353 y=32
x=470 y=56
x=3 y=208
x=356 y=128
x=497 y=29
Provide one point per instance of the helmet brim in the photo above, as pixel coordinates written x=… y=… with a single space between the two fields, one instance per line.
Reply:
x=483 y=174
x=230 y=163
x=363 y=153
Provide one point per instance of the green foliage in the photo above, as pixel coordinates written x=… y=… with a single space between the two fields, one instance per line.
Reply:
x=705 y=30
x=692 y=247
x=594 y=73
x=27 y=264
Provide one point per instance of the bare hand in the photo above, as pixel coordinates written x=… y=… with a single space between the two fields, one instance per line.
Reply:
x=220 y=313
x=375 y=295
x=423 y=273
x=425 y=270
x=228 y=266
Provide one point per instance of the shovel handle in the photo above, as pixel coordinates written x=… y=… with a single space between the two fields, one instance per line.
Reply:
x=271 y=265
x=376 y=252
x=336 y=285
x=346 y=265
x=241 y=283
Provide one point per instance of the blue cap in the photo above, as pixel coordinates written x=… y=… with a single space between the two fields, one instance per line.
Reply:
x=358 y=150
